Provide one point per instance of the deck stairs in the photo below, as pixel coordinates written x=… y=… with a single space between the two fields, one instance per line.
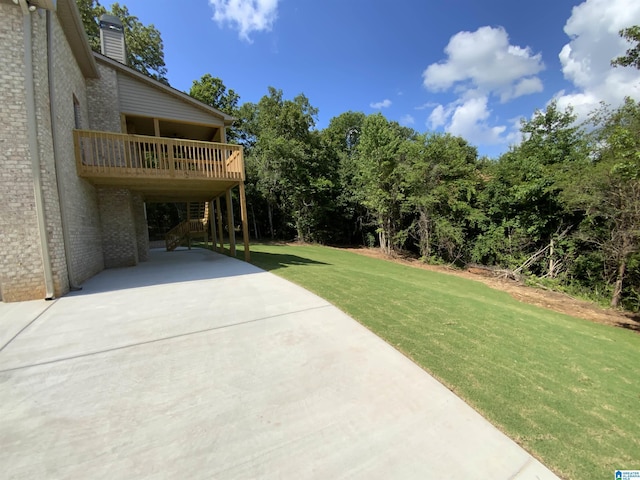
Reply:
x=196 y=225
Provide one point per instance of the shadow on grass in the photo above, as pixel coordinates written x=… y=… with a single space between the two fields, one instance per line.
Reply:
x=275 y=261
x=264 y=260
x=633 y=324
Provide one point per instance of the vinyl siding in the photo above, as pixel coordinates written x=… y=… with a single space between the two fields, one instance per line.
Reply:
x=139 y=99
x=113 y=45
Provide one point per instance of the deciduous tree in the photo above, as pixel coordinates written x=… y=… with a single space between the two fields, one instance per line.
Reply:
x=291 y=171
x=632 y=57
x=443 y=180
x=145 y=51
x=213 y=92
x=523 y=195
x=379 y=182
x=340 y=140
x=614 y=188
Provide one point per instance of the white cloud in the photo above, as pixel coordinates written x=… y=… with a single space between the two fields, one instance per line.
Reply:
x=484 y=60
x=438 y=117
x=424 y=106
x=386 y=103
x=525 y=86
x=246 y=16
x=481 y=66
x=407 y=120
x=593 y=29
x=468 y=118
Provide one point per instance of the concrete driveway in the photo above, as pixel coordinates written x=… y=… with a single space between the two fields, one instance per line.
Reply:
x=195 y=365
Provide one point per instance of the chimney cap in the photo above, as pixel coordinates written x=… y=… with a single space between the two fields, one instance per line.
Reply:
x=111 y=22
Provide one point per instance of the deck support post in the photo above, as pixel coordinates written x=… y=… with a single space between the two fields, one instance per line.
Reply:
x=232 y=232
x=212 y=225
x=220 y=235
x=189 y=225
x=245 y=222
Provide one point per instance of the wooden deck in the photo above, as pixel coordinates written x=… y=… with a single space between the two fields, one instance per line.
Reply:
x=165 y=170
x=160 y=167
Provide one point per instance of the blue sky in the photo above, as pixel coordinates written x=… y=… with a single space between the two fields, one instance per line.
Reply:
x=469 y=67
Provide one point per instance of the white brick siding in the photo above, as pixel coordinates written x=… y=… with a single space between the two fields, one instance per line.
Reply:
x=80 y=200
x=21 y=268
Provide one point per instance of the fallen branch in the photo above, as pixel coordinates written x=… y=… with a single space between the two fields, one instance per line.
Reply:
x=532 y=259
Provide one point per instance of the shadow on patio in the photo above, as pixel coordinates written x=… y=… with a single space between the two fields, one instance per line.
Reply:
x=164 y=267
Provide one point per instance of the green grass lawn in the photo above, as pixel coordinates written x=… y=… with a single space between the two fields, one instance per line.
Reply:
x=566 y=389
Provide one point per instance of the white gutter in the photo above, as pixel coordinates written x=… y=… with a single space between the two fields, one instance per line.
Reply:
x=34 y=150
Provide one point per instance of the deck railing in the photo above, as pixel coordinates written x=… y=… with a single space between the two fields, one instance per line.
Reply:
x=174 y=236
x=106 y=154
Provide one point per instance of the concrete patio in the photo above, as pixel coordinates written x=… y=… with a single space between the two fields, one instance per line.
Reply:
x=195 y=365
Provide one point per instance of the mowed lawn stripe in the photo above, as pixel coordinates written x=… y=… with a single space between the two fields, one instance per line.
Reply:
x=566 y=389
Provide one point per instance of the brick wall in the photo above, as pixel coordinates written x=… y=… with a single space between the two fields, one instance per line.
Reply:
x=101 y=227
x=78 y=198
x=68 y=199
x=21 y=268
x=142 y=229
x=104 y=106
x=125 y=238
x=119 y=243
x=104 y=115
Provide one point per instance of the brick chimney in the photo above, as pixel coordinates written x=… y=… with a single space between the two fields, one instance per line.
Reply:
x=112 y=38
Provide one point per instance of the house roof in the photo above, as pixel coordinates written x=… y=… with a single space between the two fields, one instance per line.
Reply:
x=69 y=17
x=227 y=119
x=71 y=22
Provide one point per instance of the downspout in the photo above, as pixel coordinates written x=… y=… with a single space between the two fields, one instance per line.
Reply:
x=66 y=237
x=32 y=132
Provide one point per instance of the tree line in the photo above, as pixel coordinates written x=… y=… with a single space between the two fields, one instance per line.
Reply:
x=561 y=208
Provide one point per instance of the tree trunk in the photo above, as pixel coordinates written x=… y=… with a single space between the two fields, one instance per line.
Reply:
x=552 y=262
x=617 y=288
x=385 y=236
x=382 y=240
x=255 y=225
x=300 y=231
x=270 y=215
x=424 y=233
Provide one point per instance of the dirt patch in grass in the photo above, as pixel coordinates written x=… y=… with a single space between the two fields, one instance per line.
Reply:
x=556 y=301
